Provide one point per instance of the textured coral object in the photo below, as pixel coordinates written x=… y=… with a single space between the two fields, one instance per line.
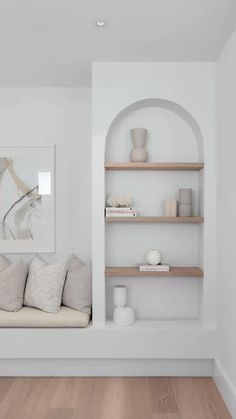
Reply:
x=119 y=200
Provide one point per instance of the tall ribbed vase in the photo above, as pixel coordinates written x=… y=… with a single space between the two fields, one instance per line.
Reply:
x=139 y=139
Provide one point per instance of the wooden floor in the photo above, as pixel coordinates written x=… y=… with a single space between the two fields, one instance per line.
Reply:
x=110 y=398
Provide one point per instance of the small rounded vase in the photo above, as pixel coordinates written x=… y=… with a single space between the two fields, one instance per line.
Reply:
x=120 y=295
x=139 y=138
x=153 y=257
x=123 y=316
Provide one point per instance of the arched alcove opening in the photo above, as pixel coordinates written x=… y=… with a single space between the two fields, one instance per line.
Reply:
x=170 y=118
x=174 y=135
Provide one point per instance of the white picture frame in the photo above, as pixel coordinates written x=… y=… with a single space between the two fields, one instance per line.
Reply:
x=27 y=217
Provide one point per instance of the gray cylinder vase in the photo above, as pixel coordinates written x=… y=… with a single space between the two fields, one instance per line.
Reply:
x=185 y=202
x=139 y=139
x=185 y=196
x=185 y=210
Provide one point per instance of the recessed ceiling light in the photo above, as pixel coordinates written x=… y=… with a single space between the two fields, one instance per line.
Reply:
x=101 y=23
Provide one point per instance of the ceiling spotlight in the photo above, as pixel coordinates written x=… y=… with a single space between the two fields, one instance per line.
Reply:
x=101 y=23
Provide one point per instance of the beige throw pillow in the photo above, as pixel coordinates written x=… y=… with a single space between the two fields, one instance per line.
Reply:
x=45 y=285
x=12 y=284
x=4 y=263
x=77 y=292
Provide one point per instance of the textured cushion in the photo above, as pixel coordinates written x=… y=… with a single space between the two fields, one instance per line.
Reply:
x=77 y=292
x=12 y=284
x=32 y=317
x=45 y=285
x=4 y=263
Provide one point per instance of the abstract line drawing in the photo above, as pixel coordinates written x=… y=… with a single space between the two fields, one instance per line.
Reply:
x=26 y=216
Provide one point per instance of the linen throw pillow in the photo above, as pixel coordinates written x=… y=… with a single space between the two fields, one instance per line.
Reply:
x=45 y=285
x=4 y=263
x=12 y=284
x=77 y=292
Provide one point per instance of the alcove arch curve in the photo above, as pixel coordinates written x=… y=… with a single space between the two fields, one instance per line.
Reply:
x=169 y=105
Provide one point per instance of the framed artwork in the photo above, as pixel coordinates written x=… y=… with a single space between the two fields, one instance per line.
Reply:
x=27 y=213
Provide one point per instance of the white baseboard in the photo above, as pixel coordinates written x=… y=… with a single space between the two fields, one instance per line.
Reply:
x=225 y=387
x=105 y=367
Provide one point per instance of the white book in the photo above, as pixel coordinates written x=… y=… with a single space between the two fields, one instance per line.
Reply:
x=153 y=268
x=121 y=214
x=119 y=209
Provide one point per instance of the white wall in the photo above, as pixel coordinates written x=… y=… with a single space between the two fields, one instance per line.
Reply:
x=226 y=209
x=115 y=87
x=60 y=116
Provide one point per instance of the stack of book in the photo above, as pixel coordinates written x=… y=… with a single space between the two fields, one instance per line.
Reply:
x=144 y=267
x=120 y=212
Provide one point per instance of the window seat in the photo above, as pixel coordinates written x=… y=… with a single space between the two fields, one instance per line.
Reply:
x=32 y=317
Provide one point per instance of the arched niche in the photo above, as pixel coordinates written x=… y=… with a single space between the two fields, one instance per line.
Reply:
x=178 y=111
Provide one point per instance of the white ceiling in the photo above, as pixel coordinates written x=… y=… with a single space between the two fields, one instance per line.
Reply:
x=53 y=42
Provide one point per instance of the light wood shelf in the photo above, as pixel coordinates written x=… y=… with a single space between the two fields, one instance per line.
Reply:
x=154 y=219
x=153 y=166
x=134 y=271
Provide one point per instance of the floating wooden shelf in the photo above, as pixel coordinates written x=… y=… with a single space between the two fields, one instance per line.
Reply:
x=153 y=219
x=134 y=271
x=153 y=166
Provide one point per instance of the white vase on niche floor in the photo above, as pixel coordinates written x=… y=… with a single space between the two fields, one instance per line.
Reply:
x=122 y=314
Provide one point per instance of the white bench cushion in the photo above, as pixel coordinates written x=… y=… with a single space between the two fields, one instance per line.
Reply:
x=32 y=317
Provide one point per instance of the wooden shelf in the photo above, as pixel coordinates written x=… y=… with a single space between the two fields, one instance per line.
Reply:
x=153 y=166
x=134 y=271
x=154 y=219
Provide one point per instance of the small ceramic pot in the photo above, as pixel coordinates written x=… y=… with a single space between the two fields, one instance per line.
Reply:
x=153 y=257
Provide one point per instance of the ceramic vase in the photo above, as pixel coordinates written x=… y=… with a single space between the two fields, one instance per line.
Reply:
x=139 y=139
x=170 y=208
x=153 y=257
x=122 y=314
x=185 y=210
x=185 y=202
x=120 y=295
x=185 y=196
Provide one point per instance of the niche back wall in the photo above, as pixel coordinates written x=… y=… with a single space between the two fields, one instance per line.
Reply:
x=60 y=117
x=170 y=138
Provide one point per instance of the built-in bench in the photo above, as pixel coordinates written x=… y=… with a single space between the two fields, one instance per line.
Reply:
x=32 y=317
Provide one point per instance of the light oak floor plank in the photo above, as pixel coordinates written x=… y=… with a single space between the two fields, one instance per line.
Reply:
x=90 y=396
x=60 y=413
x=114 y=399
x=198 y=398
x=165 y=416
x=139 y=399
x=163 y=395
x=67 y=392
x=110 y=398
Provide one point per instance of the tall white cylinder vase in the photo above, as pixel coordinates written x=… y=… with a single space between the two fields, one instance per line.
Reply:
x=120 y=294
x=122 y=314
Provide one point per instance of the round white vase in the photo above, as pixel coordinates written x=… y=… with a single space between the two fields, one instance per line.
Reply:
x=123 y=316
x=153 y=257
x=139 y=138
x=120 y=295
